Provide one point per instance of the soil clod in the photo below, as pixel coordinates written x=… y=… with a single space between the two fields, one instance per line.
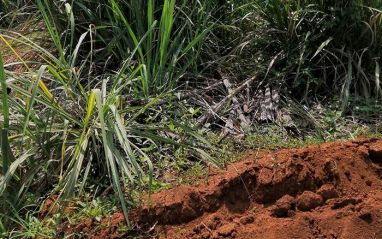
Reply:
x=283 y=206
x=309 y=200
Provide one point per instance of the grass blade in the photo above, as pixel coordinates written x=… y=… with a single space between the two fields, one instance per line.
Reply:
x=4 y=129
x=107 y=139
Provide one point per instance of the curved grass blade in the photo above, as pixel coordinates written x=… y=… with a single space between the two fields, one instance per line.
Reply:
x=31 y=100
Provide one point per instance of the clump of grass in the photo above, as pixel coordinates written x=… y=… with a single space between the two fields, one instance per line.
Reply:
x=162 y=38
x=68 y=124
x=312 y=50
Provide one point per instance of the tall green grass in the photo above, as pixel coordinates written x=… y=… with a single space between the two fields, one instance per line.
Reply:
x=165 y=36
x=70 y=123
x=314 y=49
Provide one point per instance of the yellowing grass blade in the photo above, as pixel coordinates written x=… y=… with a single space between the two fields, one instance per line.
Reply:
x=33 y=91
x=15 y=52
x=41 y=83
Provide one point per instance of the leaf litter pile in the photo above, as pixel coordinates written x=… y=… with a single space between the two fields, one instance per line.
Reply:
x=333 y=190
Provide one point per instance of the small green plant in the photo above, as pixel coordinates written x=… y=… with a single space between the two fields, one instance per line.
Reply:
x=30 y=226
x=275 y=162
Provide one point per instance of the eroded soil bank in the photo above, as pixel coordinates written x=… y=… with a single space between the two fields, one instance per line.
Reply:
x=328 y=191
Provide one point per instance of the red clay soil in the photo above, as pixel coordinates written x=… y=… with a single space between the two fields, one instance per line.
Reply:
x=328 y=191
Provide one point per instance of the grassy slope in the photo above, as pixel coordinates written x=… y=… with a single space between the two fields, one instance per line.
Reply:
x=175 y=166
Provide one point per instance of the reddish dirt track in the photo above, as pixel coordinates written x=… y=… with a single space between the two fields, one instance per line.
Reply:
x=328 y=191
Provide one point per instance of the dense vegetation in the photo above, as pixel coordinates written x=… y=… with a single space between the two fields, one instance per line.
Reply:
x=115 y=90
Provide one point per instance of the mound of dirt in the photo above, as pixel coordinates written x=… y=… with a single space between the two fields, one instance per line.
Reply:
x=328 y=191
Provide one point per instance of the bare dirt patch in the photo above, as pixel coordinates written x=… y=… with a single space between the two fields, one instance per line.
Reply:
x=328 y=191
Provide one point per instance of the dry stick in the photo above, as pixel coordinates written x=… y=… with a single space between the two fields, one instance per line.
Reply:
x=243 y=120
x=246 y=106
x=206 y=227
x=208 y=98
x=186 y=95
x=242 y=180
x=193 y=92
x=219 y=106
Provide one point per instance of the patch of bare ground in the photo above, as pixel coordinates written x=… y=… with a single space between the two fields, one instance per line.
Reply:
x=328 y=191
